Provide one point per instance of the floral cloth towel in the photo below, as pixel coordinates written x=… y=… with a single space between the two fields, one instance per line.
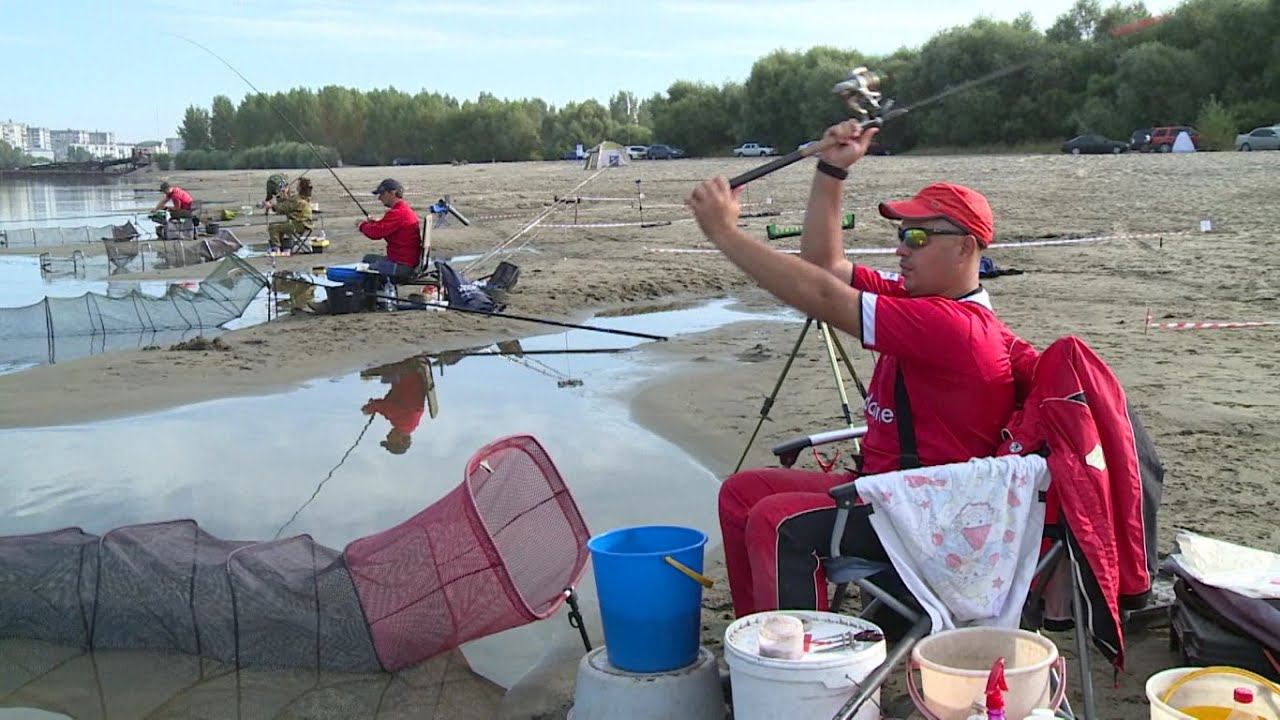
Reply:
x=964 y=537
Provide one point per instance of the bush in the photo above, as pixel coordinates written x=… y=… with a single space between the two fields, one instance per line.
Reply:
x=261 y=157
x=1217 y=126
x=163 y=161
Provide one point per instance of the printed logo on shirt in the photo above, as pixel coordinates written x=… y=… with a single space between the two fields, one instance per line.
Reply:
x=875 y=412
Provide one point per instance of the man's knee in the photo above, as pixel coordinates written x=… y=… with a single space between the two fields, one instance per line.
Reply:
x=768 y=515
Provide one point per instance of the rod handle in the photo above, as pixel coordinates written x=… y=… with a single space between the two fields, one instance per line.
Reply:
x=779 y=163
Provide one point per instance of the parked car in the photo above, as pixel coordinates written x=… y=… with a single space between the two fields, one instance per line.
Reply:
x=1093 y=145
x=1263 y=138
x=637 y=152
x=753 y=150
x=804 y=145
x=658 y=151
x=1162 y=137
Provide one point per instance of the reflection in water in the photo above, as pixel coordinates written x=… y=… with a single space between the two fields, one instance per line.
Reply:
x=50 y=203
x=412 y=385
x=124 y=685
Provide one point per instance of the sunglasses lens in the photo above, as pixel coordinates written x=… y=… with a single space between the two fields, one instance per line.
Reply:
x=913 y=237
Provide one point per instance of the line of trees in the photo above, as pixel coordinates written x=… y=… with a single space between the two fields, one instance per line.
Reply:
x=12 y=158
x=1211 y=63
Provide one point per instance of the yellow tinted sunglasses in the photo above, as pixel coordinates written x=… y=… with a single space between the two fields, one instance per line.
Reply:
x=916 y=238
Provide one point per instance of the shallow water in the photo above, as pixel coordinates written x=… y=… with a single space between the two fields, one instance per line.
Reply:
x=65 y=202
x=249 y=468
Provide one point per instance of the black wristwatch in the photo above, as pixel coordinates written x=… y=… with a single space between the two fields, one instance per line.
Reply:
x=827 y=168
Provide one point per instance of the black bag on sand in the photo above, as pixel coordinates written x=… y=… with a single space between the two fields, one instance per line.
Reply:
x=504 y=277
x=1205 y=637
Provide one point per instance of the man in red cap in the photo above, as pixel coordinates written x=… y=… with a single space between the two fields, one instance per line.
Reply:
x=942 y=388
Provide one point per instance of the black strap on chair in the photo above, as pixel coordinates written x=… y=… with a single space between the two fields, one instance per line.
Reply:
x=907 y=456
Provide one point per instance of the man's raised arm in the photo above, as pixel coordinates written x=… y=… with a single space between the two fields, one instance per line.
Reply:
x=821 y=242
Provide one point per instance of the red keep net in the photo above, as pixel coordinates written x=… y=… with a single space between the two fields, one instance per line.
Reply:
x=496 y=552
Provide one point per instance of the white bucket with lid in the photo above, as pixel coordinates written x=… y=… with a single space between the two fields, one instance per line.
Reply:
x=814 y=686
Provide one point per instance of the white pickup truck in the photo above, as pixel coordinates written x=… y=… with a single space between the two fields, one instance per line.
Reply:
x=753 y=150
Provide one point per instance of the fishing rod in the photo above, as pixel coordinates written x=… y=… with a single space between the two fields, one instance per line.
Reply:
x=495 y=313
x=287 y=121
x=861 y=92
x=526 y=318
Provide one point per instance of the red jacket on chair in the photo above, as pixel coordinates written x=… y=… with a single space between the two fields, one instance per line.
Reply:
x=1077 y=409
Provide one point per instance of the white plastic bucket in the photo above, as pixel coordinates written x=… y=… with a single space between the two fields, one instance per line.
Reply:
x=813 y=686
x=954 y=665
x=1214 y=687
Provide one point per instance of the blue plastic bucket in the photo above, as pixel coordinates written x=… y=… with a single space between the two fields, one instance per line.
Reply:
x=651 y=611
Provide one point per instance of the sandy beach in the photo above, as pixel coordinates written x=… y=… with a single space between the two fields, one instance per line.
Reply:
x=1209 y=398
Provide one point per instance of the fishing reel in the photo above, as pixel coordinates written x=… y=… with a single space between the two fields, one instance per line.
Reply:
x=861 y=92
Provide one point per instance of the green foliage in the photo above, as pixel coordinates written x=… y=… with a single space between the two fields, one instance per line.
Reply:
x=163 y=161
x=222 y=124
x=1080 y=75
x=78 y=154
x=1216 y=125
x=262 y=157
x=195 y=129
x=11 y=157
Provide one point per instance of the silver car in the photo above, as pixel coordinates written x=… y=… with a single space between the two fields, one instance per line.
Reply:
x=1263 y=138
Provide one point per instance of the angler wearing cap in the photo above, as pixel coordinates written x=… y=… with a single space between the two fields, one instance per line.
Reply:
x=400 y=227
x=295 y=208
x=942 y=388
x=183 y=205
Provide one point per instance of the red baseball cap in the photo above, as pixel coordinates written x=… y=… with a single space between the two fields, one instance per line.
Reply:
x=963 y=206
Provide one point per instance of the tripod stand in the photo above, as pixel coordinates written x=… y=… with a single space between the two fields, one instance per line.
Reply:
x=833 y=347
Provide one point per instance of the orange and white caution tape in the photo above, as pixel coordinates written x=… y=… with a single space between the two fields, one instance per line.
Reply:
x=1202 y=325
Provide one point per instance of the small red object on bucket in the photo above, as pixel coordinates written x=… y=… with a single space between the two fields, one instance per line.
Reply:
x=996 y=686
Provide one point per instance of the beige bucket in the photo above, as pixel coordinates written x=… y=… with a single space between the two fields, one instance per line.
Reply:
x=954 y=665
x=1210 y=687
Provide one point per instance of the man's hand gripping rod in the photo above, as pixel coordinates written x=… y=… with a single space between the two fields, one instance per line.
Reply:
x=861 y=92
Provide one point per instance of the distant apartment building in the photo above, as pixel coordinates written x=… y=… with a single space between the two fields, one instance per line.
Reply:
x=39 y=143
x=14 y=133
x=98 y=137
x=64 y=139
x=174 y=145
x=38 y=139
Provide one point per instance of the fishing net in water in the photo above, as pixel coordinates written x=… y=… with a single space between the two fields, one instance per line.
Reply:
x=39 y=237
x=175 y=251
x=497 y=552
x=222 y=296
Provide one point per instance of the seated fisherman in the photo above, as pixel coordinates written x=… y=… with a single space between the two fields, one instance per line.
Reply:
x=183 y=205
x=941 y=349
x=411 y=381
x=296 y=209
x=399 y=226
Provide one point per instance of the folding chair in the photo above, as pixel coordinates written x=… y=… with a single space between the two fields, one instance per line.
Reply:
x=842 y=570
x=423 y=273
x=299 y=243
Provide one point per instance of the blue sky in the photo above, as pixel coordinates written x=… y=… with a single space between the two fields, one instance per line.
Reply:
x=109 y=65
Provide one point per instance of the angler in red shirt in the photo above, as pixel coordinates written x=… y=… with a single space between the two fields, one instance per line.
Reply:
x=942 y=388
x=412 y=385
x=400 y=227
x=183 y=205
